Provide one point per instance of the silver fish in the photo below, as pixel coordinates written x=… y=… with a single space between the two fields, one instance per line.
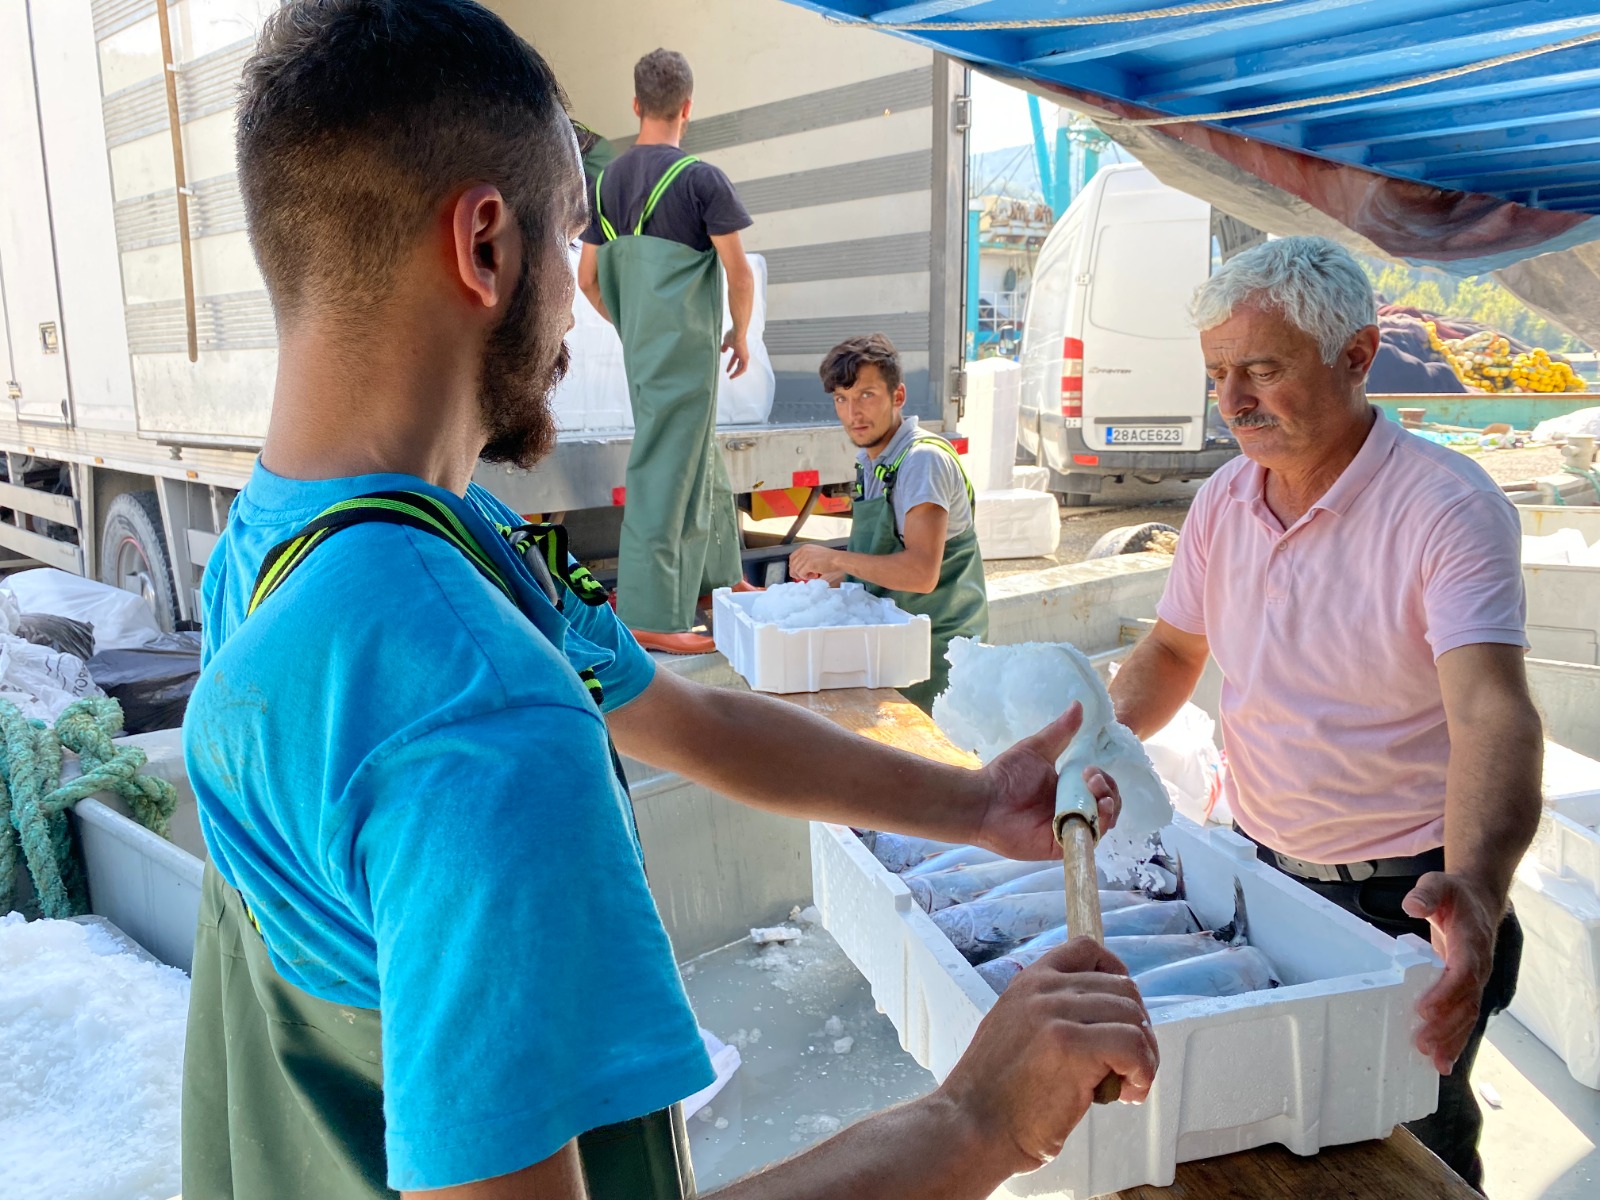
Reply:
x=985 y=929
x=958 y=856
x=1137 y=953
x=1233 y=972
x=1146 y=953
x=958 y=885
x=898 y=851
x=999 y=972
x=1150 y=920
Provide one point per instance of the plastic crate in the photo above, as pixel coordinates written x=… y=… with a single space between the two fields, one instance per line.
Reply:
x=1014 y=523
x=1558 y=986
x=1325 y=1060
x=772 y=659
x=146 y=885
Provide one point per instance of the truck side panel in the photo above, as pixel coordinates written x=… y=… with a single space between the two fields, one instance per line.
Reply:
x=94 y=335
x=829 y=135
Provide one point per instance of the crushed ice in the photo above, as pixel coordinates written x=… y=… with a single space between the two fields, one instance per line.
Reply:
x=814 y=605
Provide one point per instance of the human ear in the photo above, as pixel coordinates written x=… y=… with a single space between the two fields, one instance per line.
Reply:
x=486 y=244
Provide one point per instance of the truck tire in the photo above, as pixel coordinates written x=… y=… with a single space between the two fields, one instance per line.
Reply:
x=1131 y=539
x=133 y=554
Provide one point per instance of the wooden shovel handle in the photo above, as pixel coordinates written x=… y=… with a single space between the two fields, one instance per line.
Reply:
x=1083 y=909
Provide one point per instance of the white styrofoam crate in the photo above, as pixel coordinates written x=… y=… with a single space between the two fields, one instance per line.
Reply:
x=1015 y=523
x=1325 y=1060
x=1563 y=612
x=1558 y=985
x=1567 y=844
x=772 y=659
x=146 y=885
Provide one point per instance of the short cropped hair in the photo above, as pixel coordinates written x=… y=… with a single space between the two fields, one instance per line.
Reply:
x=662 y=81
x=842 y=366
x=357 y=118
x=1316 y=284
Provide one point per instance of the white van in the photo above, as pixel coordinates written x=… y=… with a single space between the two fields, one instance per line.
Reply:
x=1113 y=381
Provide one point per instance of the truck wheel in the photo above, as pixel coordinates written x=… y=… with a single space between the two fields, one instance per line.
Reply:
x=133 y=554
x=1135 y=539
x=1075 y=499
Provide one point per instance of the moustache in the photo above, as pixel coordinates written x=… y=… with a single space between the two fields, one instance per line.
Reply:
x=1252 y=420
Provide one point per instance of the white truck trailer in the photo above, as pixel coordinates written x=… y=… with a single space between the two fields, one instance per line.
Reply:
x=139 y=343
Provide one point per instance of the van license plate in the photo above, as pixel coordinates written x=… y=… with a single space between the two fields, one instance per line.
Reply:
x=1144 y=435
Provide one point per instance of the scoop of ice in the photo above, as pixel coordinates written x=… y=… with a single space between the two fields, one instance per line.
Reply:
x=1001 y=694
x=92 y=1042
x=814 y=605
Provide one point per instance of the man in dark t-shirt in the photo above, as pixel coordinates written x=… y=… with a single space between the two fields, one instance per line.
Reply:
x=663 y=232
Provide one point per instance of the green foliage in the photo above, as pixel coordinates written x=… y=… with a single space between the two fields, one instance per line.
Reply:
x=1478 y=298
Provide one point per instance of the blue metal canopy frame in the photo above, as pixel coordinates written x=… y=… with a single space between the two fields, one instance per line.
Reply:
x=1501 y=99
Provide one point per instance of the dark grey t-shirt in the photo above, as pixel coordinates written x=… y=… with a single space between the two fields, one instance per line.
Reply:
x=698 y=205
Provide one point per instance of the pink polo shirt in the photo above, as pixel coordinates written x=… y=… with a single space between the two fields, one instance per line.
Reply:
x=1327 y=635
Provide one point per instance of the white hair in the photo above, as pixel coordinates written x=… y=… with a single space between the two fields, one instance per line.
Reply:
x=1316 y=284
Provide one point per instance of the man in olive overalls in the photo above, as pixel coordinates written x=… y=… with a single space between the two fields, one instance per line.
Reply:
x=911 y=533
x=665 y=229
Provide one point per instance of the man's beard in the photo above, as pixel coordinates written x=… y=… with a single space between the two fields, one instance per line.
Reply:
x=520 y=371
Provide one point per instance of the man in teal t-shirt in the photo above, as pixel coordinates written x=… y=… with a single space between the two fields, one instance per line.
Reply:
x=427 y=959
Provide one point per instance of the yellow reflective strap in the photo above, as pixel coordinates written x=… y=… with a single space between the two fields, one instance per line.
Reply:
x=285 y=565
x=605 y=225
x=463 y=541
x=659 y=190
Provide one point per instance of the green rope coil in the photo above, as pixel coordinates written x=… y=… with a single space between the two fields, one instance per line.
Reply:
x=34 y=801
x=1592 y=475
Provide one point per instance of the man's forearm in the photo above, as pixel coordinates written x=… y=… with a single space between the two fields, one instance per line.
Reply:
x=741 y=301
x=1153 y=684
x=1493 y=794
x=901 y=571
x=777 y=756
x=595 y=298
x=918 y=1151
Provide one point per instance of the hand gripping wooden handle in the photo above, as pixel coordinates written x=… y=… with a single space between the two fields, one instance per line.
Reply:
x=1077 y=840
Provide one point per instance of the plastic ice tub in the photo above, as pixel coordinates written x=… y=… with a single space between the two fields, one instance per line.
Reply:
x=146 y=885
x=773 y=659
x=1558 y=986
x=1325 y=1060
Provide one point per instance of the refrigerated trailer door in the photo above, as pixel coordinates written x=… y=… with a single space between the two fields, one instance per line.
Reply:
x=36 y=381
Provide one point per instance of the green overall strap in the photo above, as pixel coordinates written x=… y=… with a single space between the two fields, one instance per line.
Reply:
x=656 y=193
x=605 y=225
x=421 y=511
x=888 y=472
x=661 y=187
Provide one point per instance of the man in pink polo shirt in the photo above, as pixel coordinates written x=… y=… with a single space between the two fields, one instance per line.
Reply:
x=1361 y=590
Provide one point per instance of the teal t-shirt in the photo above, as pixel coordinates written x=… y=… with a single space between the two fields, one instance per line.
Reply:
x=404 y=776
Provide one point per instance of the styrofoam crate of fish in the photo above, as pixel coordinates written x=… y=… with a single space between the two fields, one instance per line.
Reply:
x=1558 y=986
x=1323 y=1060
x=892 y=654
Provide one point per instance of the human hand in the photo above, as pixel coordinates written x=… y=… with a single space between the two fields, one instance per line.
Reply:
x=1019 y=819
x=741 y=353
x=1465 y=919
x=815 y=562
x=1063 y=1025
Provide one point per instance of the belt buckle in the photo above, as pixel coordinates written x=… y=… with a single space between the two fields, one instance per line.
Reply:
x=1316 y=872
x=1360 y=872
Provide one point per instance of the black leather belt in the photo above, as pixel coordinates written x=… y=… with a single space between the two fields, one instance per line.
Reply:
x=1356 y=872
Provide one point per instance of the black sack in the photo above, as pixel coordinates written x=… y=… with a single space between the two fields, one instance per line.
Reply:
x=152 y=682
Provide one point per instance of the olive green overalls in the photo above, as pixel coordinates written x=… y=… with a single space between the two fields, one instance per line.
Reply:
x=680 y=535
x=959 y=605
x=283 y=1092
